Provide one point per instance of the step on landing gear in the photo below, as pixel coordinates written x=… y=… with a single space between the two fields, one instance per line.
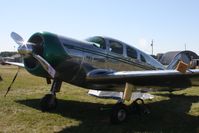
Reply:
x=49 y=101
x=139 y=107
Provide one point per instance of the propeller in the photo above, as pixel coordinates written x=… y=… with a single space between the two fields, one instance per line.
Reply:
x=26 y=49
x=17 y=38
x=51 y=71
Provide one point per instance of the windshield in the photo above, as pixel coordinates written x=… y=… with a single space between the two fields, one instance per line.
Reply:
x=97 y=41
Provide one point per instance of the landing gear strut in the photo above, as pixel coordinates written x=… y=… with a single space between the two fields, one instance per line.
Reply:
x=49 y=101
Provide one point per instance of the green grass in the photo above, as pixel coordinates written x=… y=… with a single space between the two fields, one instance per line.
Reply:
x=78 y=112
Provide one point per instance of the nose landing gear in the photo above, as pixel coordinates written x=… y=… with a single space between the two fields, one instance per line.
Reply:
x=49 y=101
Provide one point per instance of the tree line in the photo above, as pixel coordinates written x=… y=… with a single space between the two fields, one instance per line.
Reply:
x=7 y=54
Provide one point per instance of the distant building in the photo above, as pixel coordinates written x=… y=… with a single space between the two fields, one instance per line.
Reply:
x=154 y=56
x=185 y=56
x=159 y=56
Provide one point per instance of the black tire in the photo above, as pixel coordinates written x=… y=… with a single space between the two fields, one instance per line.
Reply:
x=118 y=113
x=48 y=103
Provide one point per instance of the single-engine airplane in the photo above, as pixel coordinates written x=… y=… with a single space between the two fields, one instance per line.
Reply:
x=98 y=63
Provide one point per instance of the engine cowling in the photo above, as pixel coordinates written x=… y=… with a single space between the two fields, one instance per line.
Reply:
x=48 y=46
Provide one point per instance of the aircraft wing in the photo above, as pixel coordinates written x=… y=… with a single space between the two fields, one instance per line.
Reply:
x=152 y=78
x=15 y=64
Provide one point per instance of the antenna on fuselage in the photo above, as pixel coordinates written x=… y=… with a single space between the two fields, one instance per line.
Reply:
x=152 y=47
x=185 y=46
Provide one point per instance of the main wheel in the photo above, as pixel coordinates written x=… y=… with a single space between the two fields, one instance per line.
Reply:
x=118 y=113
x=48 y=102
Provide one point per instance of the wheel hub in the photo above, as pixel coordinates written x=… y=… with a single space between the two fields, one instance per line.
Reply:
x=121 y=115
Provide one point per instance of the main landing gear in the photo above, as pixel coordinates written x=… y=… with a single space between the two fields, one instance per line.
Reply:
x=49 y=101
x=120 y=111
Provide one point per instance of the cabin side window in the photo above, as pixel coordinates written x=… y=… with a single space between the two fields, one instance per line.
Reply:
x=132 y=53
x=142 y=58
x=97 y=42
x=116 y=47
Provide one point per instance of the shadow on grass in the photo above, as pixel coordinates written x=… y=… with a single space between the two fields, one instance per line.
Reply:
x=166 y=116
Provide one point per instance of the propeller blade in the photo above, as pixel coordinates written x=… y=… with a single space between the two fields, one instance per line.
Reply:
x=17 y=38
x=45 y=65
x=8 y=89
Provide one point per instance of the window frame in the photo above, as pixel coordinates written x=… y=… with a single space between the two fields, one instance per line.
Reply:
x=121 y=49
x=142 y=58
x=135 y=56
x=101 y=45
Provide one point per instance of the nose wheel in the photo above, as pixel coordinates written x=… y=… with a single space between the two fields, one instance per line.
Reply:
x=49 y=101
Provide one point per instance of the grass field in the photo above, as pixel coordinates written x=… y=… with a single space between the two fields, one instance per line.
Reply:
x=79 y=113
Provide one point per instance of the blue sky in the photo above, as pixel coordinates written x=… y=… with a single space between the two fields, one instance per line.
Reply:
x=170 y=23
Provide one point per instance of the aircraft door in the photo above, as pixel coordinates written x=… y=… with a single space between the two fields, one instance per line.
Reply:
x=95 y=54
x=95 y=57
x=115 y=56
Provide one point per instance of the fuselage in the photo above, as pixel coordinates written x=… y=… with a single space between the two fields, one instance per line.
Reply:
x=74 y=59
x=114 y=54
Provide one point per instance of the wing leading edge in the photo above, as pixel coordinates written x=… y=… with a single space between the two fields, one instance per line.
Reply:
x=153 y=78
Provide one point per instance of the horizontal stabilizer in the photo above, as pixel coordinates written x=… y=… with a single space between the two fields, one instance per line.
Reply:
x=119 y=95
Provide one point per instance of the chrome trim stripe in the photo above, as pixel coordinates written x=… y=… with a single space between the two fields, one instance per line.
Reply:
x=124 y=60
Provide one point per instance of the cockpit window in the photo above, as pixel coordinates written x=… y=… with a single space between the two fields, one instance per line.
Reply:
x=142 y=58
x=116 y=47
x=131 y=52
x=97 y=41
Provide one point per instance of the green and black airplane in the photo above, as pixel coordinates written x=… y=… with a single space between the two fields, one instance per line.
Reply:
x=98 y=63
